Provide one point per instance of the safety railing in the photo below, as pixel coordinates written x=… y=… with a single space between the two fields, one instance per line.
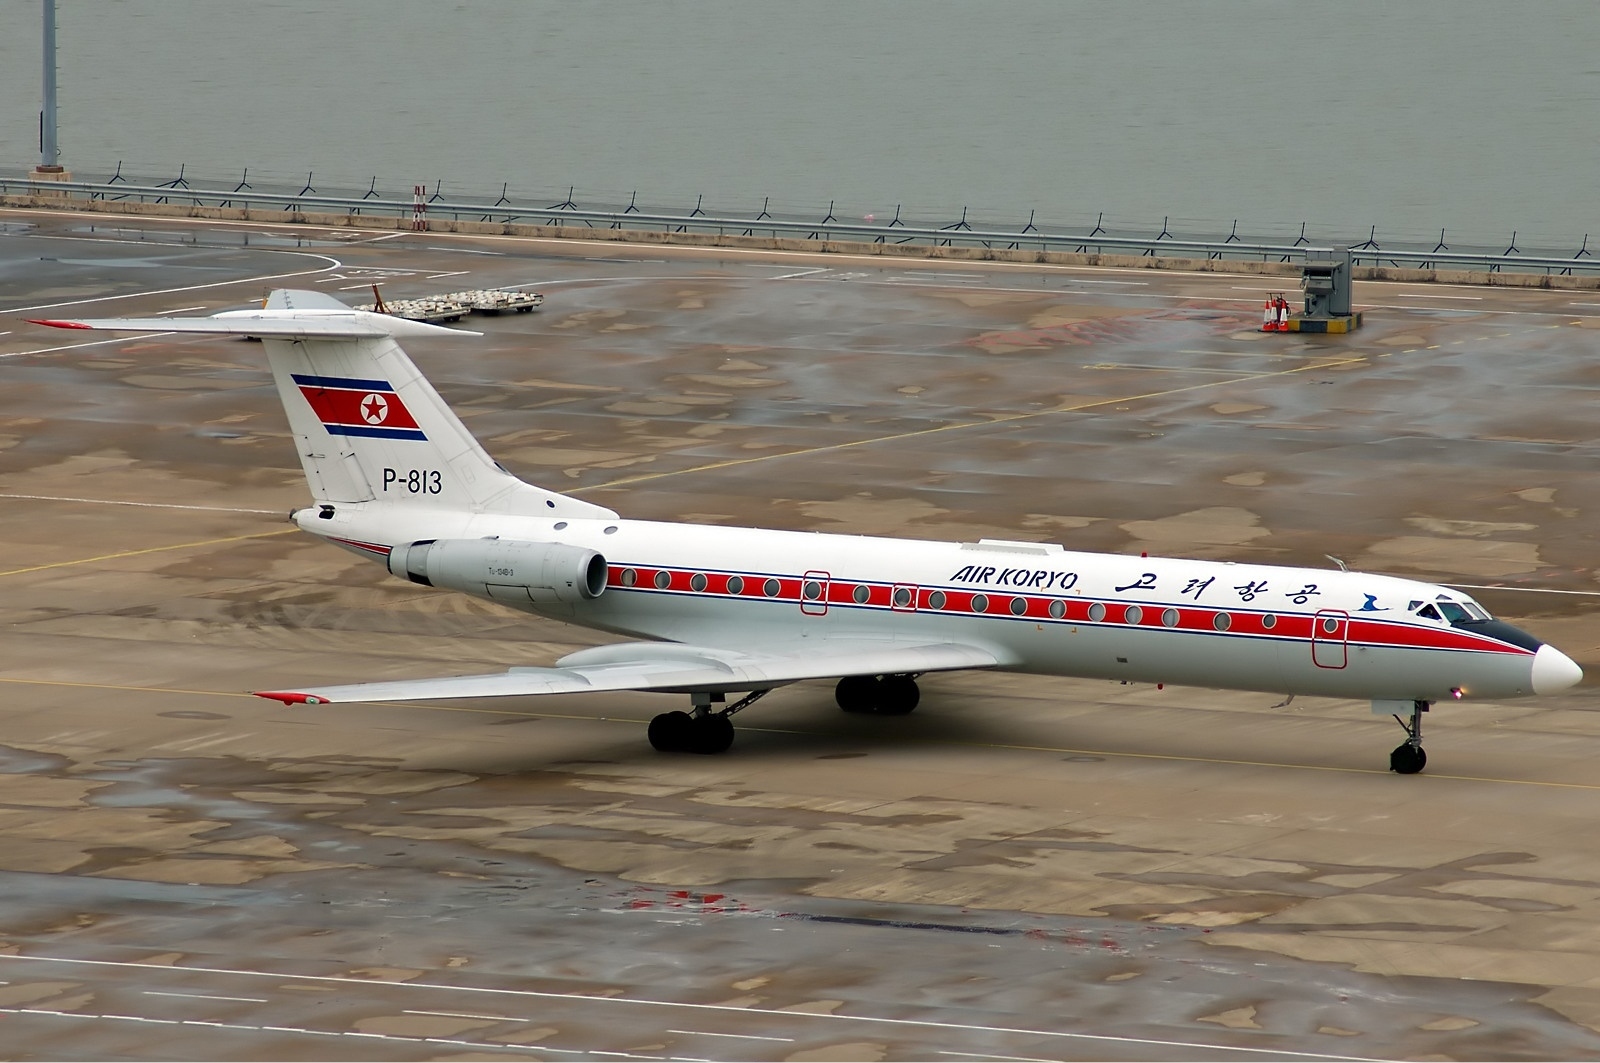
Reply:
x=830 y=229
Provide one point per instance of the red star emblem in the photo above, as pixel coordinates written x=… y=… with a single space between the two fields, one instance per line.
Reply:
x=374 y=409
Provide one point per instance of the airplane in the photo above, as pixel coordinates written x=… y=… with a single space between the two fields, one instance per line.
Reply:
x=720 y=612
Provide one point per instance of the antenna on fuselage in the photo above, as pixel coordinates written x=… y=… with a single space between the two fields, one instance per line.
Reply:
x=1342 y=566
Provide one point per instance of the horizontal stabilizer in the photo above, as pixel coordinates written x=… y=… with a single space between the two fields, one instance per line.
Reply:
x=667 y=668
x=279 y=324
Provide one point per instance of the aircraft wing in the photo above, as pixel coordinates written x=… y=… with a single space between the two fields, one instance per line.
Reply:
x=277 y=323
x=668 y=667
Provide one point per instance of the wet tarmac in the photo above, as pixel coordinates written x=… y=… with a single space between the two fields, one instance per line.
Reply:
x=1022 y=869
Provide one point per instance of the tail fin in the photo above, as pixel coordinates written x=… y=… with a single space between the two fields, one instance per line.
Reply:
x=368 y=426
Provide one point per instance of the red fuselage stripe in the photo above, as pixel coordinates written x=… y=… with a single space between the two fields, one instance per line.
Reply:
x=963 y=601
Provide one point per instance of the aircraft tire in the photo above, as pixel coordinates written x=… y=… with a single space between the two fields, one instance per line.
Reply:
x=711 y=735
x=897 y=695
x=857 y=693
x=1407 y=759
x=672 y=732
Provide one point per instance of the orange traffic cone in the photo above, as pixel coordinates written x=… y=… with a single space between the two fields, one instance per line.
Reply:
x=1283 y=314
x=1269 y=316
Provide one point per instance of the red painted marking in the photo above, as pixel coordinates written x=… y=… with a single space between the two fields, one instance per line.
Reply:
x=376 y=548
x=57 y=324
x=288 y=697
x=342 y=406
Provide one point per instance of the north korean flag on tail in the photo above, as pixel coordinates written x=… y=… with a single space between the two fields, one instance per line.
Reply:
x=351 y=407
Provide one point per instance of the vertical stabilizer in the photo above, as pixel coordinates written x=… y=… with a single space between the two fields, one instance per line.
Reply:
x=367 y=425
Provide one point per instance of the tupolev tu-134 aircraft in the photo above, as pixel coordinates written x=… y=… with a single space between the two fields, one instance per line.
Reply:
x=397 y=478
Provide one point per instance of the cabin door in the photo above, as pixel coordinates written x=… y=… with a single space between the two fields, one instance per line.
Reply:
x=1331 y=629
x=814 y=593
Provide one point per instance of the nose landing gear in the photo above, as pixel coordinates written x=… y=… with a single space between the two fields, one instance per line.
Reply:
x=1409 y=757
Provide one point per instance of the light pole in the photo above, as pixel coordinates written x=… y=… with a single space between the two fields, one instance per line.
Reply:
x=49 y=167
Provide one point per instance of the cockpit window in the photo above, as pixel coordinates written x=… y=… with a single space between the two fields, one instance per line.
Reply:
x=1428 y=612
x=1457 y=611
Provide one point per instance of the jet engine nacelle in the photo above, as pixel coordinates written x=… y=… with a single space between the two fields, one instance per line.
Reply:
x=507 y=570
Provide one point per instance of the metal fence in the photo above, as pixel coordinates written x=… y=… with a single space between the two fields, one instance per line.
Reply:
x=829 y=228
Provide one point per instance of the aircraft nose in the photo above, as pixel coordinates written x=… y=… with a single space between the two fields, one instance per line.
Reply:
x=1554 y=671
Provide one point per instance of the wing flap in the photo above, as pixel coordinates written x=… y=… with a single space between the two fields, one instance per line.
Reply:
x=665 y=668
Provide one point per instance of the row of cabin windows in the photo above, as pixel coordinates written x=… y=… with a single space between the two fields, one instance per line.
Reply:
x=811 y=590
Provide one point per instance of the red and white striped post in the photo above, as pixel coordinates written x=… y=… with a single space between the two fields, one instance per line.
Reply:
x=419 y=208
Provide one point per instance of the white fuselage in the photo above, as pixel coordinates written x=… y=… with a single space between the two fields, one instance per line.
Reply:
x=1038 y=608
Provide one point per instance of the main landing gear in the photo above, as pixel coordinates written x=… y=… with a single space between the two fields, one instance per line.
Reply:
x=1408 y=757
x=886 y=695
x=700 y=731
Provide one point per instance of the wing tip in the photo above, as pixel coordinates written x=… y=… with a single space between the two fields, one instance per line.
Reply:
x=289 y=697
x=57 y=323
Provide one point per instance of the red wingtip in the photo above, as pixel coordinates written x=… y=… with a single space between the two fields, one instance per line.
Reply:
x=57 y=324
x=288 y=697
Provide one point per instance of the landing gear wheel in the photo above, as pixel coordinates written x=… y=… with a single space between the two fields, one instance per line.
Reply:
x=1407 y=759
x=679 y=732
x=857 y=693
x=671 y=732
x=897 y=695
x=711 y=734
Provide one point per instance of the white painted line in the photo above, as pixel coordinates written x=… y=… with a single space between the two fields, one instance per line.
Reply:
x=8 y=333
x=1069 y=280
x=184 y=309
x=465 y=1015
x=91 y=343
x=1569 y=304
x=452 y=273
x=333 y=263
x=741 y=1036
x=997 y=288
x=465 y=251
x=205 y=996
x=1242 y=288
x=145 y=505
x=802 y=273
x=375 y=239
x=986 y=1055
x=353 y=287
x=379 y=1036
x=1455 y=310
x=573 y=998
x=1436 y=295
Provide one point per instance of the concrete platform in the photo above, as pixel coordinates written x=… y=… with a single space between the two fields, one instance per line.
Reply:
x=1330 y=325
x=1022 y=868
